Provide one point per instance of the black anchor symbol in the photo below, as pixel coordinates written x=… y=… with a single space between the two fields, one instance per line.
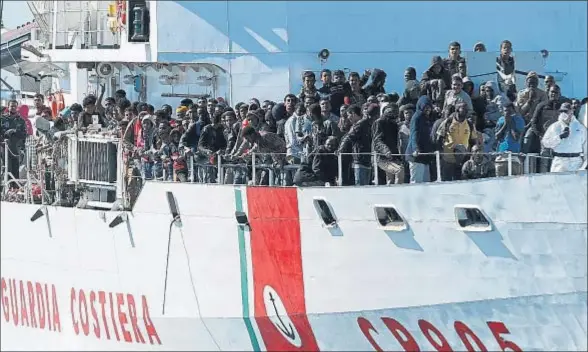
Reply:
x=288 y=332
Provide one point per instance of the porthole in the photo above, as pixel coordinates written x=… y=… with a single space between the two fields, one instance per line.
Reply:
x=471 y=218
x=325 y=212
x=389 y=218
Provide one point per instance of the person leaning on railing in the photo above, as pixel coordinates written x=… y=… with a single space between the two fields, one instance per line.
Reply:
x=509 y=130
x=420 y=146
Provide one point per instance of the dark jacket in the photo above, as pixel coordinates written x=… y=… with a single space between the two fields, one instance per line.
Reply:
x=374 y=88
x=212 y=139
x=304 y=93
x=420 y=139
x=320 y=131
x=14 y=129
x=191 y=137
x=545 y=114
x=385 y=139
x=336 y=94
x=231 y=136
x=325 y=165
x=85 y=120
x=430 y=75
x=360 y=138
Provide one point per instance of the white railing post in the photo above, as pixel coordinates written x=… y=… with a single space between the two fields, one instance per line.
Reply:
x=5 y=168
x=339 y=169
x=438 y=165
x=220 y=171
x=375 y=162
x=73 y=143
x=253 y=175
x=526 y=165
x=509 y=163
x=191 y=166
x=270 y=176
x=120 y=174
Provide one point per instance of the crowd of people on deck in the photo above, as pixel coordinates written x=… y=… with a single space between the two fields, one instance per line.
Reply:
x=331 y=129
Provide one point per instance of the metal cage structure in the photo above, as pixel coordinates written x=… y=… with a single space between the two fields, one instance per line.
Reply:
x=95 y=162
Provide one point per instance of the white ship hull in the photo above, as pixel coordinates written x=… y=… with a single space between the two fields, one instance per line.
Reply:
x=287 y=282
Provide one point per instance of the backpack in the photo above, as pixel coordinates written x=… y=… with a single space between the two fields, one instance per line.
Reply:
x=440 y=139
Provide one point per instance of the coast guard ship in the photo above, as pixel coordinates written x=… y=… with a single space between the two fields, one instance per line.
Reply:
x=488 y=265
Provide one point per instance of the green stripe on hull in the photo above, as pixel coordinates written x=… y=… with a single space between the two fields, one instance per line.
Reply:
x=244 y=280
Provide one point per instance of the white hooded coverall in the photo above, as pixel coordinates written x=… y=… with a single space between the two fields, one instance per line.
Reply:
x=566 y=150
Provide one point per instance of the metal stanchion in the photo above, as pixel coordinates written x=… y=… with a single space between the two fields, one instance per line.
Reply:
x=509 y=163
x=375 y=162
x=220 y=171
x=5 y=169
x=253 y=167
x=438 y=165
x=191 y=168
x=339 y=169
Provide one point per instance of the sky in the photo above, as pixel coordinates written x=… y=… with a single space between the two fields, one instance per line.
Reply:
x=16 y=13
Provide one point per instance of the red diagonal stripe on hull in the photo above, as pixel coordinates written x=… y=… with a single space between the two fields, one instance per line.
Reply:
x=277 y=261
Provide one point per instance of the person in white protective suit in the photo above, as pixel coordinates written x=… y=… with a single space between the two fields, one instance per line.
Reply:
x=567 y=138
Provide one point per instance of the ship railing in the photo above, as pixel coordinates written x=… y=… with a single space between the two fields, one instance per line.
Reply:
x=259 y=168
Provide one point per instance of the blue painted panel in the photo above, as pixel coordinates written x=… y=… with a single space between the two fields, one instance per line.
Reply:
x=192 y=26
x=286 y=36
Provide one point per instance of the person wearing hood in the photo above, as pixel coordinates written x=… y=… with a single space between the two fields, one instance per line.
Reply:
x=377 y=84
x=419 y=142
x=479 y=47
x=566 y=137
x=280 y=115
x=385 y=133
x=529 y=97
x=435 y=80
x=269 y=122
